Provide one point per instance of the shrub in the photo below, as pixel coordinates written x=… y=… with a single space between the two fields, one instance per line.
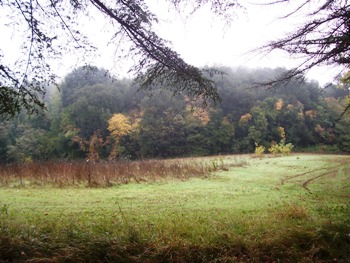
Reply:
x=259 y=150
x=287 y=149
x=281 y=148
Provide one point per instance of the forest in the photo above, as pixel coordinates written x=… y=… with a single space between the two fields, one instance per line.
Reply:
x=94 y=116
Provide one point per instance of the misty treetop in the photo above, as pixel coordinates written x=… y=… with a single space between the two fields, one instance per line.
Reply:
x=98 y=117
x=51 y=28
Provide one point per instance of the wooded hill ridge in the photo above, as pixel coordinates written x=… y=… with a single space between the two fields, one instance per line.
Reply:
x=96 y=116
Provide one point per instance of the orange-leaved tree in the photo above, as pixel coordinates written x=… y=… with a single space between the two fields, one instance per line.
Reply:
x=92 y=146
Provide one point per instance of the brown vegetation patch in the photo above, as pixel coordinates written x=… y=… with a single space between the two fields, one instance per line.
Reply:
x=292 y=211
x=101 y=174
x=296 y=247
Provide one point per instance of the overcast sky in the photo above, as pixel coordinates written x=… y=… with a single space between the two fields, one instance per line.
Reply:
x=205 y=40
x=201 y=39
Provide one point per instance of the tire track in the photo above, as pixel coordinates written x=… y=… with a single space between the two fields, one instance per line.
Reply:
x=283 y=181
x=331 y=170
x=305 y=184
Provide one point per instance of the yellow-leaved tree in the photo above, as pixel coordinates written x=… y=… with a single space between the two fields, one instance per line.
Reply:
x=118 y=125
x=279 y=104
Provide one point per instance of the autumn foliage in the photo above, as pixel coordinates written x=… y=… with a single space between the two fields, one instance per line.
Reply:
x=119 y=125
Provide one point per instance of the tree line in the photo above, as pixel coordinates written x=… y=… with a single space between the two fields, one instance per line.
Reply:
x=98 y=117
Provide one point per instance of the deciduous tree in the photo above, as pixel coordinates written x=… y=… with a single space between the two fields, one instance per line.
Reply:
x=119 y=125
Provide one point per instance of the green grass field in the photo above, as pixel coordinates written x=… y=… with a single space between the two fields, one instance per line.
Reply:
x=275 y=209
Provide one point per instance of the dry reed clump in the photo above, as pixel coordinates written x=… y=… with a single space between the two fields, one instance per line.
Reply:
x=99 y=174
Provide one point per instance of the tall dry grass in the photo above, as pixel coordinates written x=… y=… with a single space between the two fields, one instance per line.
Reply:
x=100 y=174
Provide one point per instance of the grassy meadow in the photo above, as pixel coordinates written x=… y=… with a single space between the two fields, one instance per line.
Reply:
x=219 y=209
